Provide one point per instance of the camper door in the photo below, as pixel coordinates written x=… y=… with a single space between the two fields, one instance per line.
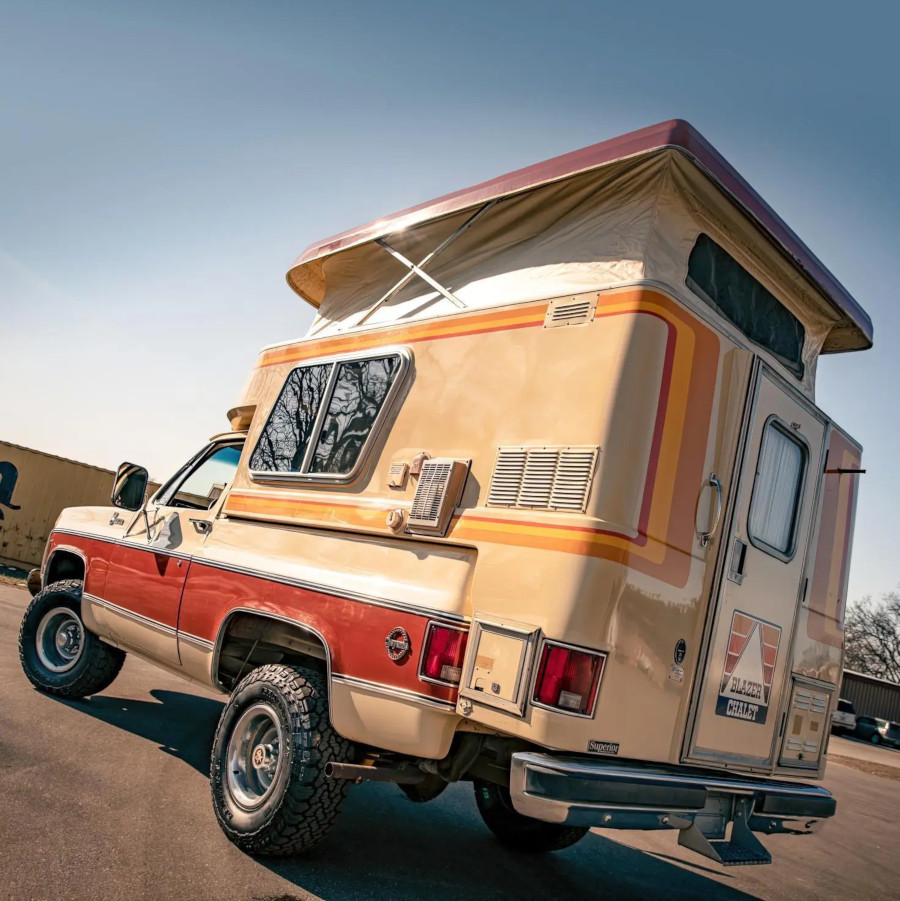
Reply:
x=761 y=577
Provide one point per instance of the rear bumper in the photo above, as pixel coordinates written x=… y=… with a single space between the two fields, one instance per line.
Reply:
x=586 y=792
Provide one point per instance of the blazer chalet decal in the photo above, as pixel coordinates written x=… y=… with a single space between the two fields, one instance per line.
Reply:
x=749 y=669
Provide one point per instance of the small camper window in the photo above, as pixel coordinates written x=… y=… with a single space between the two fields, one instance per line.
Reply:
x=775 y=504
x=324 y=416
x=719 y=280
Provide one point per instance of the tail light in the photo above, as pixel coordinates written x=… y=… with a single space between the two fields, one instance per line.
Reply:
x=568 y=679
x=442 y=656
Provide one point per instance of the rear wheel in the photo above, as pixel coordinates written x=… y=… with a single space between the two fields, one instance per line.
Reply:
x=59 y=656
x=875 y=738
x=269 y=788
x=519 y=832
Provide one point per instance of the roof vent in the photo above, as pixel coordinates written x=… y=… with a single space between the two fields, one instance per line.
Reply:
x=570 y=311
x=543 y=478
x=437 y=494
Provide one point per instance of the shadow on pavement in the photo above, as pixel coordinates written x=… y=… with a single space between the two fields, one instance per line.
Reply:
x=387 y=847
x=384 y=846
x=181 y=724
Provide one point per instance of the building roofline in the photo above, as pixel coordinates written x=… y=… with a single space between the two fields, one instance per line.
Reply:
x=850 y=672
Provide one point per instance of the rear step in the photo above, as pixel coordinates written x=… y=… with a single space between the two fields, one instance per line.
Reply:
x=715 y=815
x=742 y=849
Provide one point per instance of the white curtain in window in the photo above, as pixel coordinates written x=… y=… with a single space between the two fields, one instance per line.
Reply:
x=776 y=493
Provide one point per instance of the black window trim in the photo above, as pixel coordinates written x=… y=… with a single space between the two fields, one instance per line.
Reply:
x=778 y=423
x=334 y=361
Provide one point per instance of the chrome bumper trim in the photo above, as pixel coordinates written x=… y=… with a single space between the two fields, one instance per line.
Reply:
x=583 y=792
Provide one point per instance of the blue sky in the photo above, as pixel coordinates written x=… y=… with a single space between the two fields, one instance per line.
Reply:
x=161 y=165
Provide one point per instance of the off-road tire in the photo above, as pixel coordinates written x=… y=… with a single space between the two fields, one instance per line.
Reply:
x=96 y=667
x=302 y=804
x=521 y=833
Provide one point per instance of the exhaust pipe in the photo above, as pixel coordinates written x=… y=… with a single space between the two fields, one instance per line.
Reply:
x=357 y=772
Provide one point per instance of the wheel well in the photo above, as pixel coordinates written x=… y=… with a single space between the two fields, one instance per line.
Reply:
x=249 y=640
x=64 y=565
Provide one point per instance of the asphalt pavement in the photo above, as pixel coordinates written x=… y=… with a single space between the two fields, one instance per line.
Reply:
x=109 y=799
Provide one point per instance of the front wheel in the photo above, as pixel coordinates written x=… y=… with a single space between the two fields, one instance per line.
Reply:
x=519 y=832
x=59 y=656
x=267 y=772
x=875 y=739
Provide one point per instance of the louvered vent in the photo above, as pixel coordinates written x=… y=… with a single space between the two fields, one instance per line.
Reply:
x=806 y=728
x=430 y=492
x=570 y=311
x=543 y=478
x=437 y=493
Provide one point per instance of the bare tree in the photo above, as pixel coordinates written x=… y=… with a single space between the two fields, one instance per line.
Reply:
x=872 y=637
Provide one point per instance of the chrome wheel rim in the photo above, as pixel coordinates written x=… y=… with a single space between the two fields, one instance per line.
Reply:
x=253 y=757
x=60 y=639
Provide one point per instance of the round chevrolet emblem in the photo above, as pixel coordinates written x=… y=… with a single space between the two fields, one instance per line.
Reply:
x=259 y=756
x=397 y=643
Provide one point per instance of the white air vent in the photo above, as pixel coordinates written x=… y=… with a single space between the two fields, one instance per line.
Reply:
x=570 y=311
x=437 y=493
x=543 y=478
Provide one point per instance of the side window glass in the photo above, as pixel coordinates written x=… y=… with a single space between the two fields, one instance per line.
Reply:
x=720 y=280
x=325 y=415
x=775 y=504
x=202 y=488
x=283 y=443
x=359 y=394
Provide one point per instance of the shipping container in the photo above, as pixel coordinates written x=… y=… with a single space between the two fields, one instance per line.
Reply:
x=34 y=488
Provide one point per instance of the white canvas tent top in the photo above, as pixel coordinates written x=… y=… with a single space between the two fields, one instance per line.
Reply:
x=621 y=212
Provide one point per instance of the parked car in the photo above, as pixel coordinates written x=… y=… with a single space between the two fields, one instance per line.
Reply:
x=891 y=735
x=873 y=729
x=844 y=717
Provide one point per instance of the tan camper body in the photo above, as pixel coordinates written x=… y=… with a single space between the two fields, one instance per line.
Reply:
x=530 y=430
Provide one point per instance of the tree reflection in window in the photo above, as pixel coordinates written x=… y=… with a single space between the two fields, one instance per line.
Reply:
x=287 y=434
x=359 y=394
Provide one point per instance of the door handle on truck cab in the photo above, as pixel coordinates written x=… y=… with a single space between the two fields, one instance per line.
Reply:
x=706 y=537
x=201 y=525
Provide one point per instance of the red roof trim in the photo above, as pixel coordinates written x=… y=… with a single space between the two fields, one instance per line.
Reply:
x=677 y=134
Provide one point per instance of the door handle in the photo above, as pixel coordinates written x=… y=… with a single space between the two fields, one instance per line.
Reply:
x=706 y=537
x=202 y=526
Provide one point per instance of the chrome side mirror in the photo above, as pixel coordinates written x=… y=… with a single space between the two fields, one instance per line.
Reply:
x=130 y=487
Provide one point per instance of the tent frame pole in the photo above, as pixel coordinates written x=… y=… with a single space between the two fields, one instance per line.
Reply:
x=415 y=269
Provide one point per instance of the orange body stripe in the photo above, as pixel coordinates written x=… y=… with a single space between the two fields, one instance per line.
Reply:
x=527 y=317
x=664 y=540
x=829 y=578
